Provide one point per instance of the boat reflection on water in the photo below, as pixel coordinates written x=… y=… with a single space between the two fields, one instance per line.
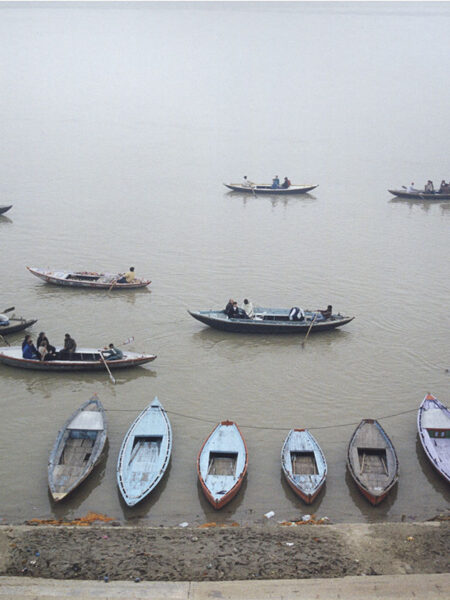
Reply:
x=274 y=199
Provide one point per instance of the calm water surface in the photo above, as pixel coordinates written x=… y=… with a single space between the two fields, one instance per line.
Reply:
x=119 y=124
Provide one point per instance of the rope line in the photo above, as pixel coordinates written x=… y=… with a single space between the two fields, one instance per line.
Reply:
x=172 y=412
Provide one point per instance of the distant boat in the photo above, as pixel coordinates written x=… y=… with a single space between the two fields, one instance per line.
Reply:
x=266 y=188
x=84 y=359
x=372 y=461
x=222 y=463
x=433 y=424
x=14 y=324
x=303 y=464
x=4 y=208
x=420 y=195
x=77 y=449
x=87 y=279
x=145 y=454
x=269 y=320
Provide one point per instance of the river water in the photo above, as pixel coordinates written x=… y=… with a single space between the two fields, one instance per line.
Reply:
x=119 y=125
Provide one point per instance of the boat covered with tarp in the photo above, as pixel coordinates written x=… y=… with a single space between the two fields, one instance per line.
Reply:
x=271 y=320
x=266 y=188
x=84 y=359
x=87 y=279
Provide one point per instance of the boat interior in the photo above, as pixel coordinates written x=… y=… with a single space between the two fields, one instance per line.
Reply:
x=222 y=463
x=78 y=448
x=146 y=448
x=80 y=277
x=373 y=461
x=303 y=463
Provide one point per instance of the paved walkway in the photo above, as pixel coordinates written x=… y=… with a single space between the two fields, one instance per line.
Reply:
x=383 y=587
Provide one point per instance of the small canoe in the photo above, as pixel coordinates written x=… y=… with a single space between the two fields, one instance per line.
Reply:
x=145 y=454
x=372 y=461
x=303 y=464
x=87 y=279
x=222 y=463
x=16 y=324
x=77 y=449
x=265 y=188
x=433 y=424
x=4 y=208
x=84 y=359
x=420 y=195
x=270 y=320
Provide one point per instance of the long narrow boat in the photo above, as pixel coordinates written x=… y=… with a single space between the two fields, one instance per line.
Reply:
x=77 y=448
x=87 y=279
x=4 y=208
x=145 y=454
x=16 y=324
x=270 y=320
x=265 y=188
x=84 y=359
x=303 y=464
x=433 y=424
x=372 y=461
x=420 y=195
x=222 y=463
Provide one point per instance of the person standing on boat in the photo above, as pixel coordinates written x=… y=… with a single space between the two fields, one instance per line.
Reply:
x=29 y=349
x=276 y=182
x=128 y=277
x=112 y=353
x=247 y=307
x=286 y=183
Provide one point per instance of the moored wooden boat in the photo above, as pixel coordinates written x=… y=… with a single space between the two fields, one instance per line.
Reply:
x=420 y=195
x=77 y=449
x=303 y=464
x=4 y=208
x=372 y=461
x=87 y=279
x=16 y=324
x=433 y=424
x=84 y=359
x=269 y=320
x=222 y=463
x=145 y=454
x=265 y=188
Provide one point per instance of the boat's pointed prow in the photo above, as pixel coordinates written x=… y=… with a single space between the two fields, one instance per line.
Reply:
x=429 y=397
x=58 y=496
x=156 y=402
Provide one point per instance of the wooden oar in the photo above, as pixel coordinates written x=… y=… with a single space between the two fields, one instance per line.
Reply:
x=107 y=368
x=112 y=285
x=307 y=333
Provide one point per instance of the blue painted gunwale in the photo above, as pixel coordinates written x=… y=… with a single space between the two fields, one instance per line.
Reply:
x=436 y=449
x=56 y=481
x=93 y=280
x=307 y=486
x=225 y=438
x=271 y=320
x=12 y=356
x=137 y=480
x=266 y=188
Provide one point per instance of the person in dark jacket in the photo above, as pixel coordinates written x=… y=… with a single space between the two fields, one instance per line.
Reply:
x=43 y=338
x=69 y=349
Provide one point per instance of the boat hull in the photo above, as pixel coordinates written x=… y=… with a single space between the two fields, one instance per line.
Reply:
x=16 y=325
x=433 y=425
x=64 y=279
x=4 y=208
x=66 y=471
x=266 y=189
x=218 y=320
x=12 y=357
x=419 y=195
x=144 y=454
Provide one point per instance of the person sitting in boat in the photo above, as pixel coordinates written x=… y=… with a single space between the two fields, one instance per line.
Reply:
x=43 y=338
x=29 y=349
x=229 y=308
x=429 y=187
x=286 y=183
x=275 y=182
x=112 y=353
x=326 y=314
x=296 y=314
x=247 y=182
x=44 y=352
x=247 y=307
x=69 y=349
x=443 y=189
x=411 y=188
x=128 y=277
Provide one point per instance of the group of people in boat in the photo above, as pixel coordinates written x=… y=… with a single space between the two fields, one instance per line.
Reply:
x=275 y=183
x=428 y=188
x=44 y=351
x=246 y=311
